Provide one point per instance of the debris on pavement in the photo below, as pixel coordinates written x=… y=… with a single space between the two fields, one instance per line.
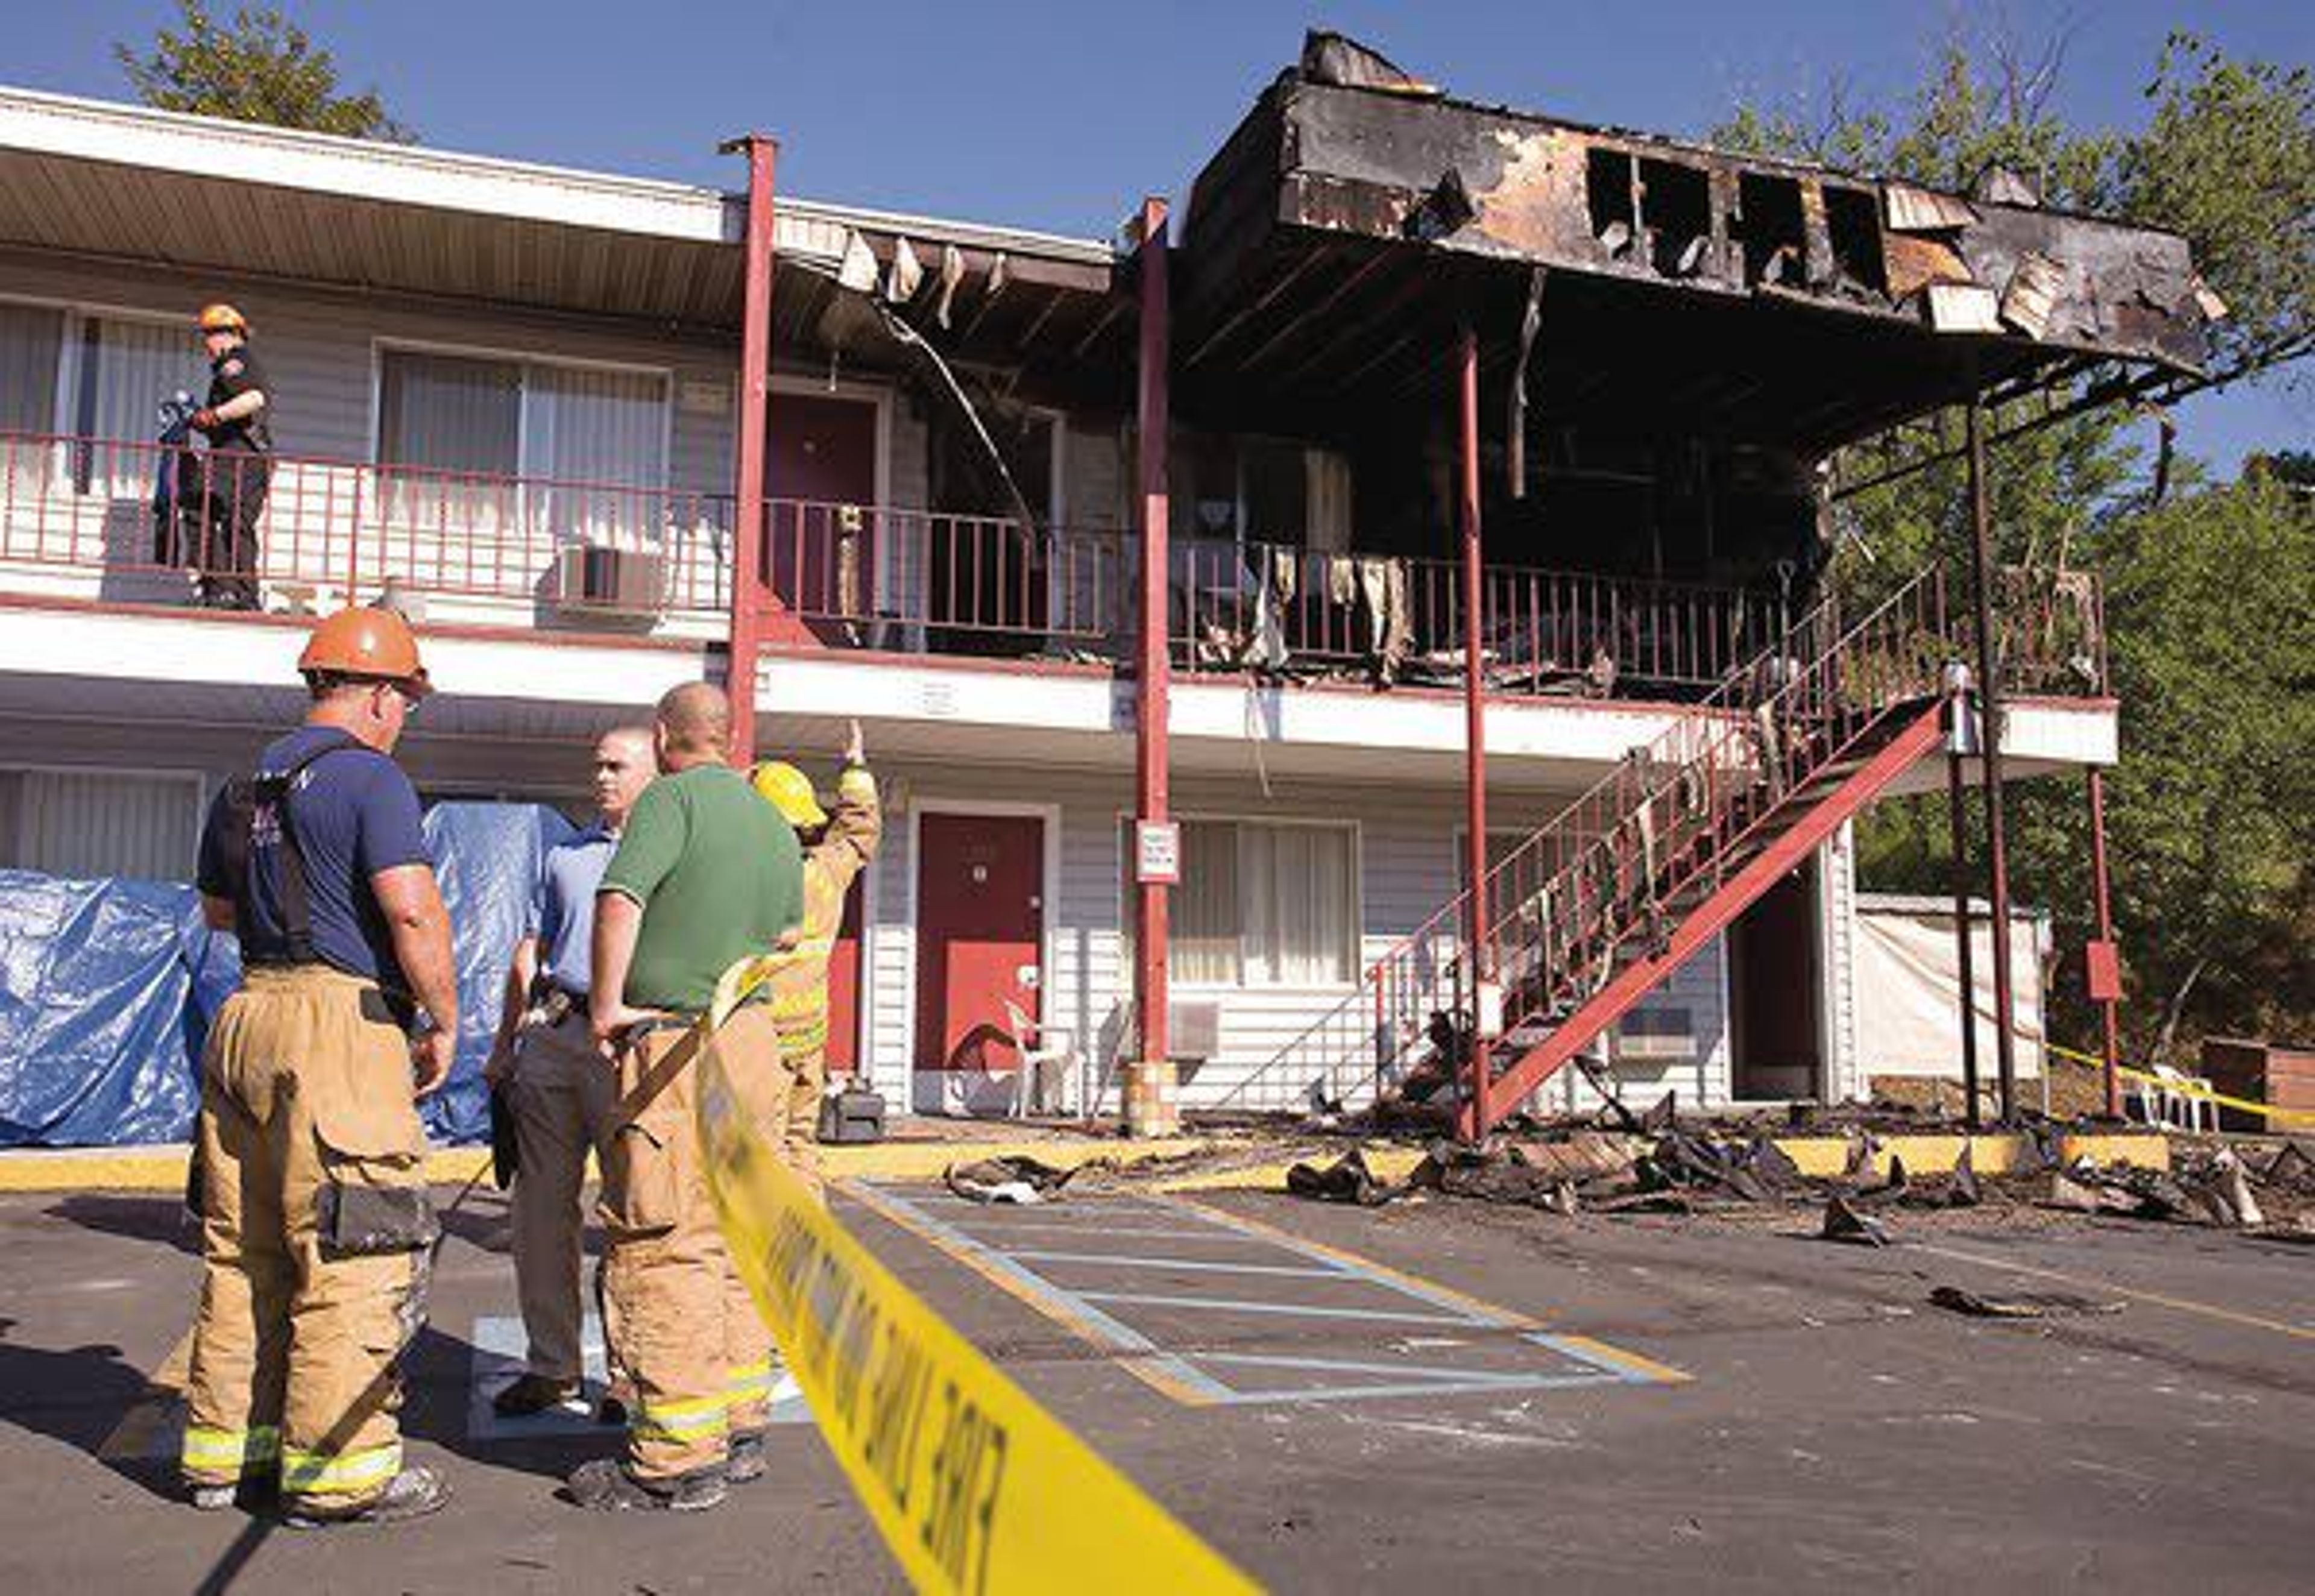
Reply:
x=1346 y=1180
x=2018 y=1305
x=1842 y=1222
x=1015 y=1178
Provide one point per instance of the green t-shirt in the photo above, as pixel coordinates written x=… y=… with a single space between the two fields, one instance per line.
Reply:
x=719 y=876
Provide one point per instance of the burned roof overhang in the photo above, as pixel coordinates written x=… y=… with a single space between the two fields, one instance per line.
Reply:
x=1342 y=234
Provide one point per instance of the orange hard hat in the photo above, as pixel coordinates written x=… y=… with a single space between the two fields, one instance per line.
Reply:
x=375 y=644
x=223 y=318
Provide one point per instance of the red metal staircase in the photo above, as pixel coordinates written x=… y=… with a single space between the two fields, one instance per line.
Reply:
x=1599 y=907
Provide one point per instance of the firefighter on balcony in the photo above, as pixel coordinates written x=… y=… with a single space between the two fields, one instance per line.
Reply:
x=836 y=849
x=705 y=876
x=315 y=1222
x=236 y=420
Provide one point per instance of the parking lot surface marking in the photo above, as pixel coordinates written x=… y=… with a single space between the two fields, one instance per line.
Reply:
x=1189 y=1343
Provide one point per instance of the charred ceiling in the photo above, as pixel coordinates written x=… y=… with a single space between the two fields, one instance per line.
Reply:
x=1357 y=216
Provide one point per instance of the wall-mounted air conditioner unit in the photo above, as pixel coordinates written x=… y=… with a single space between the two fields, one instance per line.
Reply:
x=622 y=581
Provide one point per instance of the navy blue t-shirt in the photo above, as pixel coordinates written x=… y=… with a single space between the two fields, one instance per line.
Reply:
x=356 y=814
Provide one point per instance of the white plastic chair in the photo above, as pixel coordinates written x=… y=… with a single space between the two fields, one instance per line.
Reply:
x=1049 y=1056
x=2188 y=1110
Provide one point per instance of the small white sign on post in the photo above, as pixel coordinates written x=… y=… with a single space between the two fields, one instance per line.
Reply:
x=1157 y=853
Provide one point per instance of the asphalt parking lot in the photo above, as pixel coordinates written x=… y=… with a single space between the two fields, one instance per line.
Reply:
x=1337 y=1399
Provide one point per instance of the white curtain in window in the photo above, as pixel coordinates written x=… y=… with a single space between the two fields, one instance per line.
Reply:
x=100 y=823
x=127 y=368
x=448 y=441
x=31 y=336
x=1204 y=946
x=594 y=449
x=1298 y=897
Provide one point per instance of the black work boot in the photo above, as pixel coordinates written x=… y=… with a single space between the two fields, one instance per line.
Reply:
x=745 y=1462
x=605 y=1485
x=532 y=1394
x=410 y=1494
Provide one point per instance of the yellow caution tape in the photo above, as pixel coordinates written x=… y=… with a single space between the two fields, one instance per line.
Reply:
x=974 y=1487
x=2186 y=1087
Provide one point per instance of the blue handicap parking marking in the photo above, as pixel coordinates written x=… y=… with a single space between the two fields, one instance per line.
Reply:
x=1190 y=1291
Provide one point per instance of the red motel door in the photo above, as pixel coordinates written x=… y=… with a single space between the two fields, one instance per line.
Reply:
x=844 y=986
x=979 y=927
x=819 y=472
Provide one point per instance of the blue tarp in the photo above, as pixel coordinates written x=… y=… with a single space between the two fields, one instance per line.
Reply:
x=488 y=857
x=107 y=988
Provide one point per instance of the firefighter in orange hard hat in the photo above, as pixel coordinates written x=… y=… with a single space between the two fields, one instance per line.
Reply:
x=315 y=1222
x=238 y=420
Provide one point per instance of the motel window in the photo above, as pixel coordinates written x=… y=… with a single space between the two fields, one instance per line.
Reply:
x=1260 y=490
x=568 y=452
x=1263 y=905
x=97 y=823
x=124 y=370
x=31 y=337
x=31 y=343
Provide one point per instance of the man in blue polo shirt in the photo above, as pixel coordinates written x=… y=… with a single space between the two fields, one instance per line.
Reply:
x=563 y=1094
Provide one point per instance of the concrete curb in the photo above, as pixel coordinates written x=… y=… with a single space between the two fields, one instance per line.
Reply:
x=162 y=1169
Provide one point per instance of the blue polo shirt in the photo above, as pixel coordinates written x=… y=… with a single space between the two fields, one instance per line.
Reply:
x=563 y=907
x=356 y=814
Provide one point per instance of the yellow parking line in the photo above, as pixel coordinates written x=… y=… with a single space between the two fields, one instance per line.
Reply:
x=1647 y=1368
x=2181 y=1304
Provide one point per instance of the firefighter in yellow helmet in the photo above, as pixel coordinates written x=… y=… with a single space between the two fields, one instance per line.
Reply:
x=836 y=848
x=315 y=1222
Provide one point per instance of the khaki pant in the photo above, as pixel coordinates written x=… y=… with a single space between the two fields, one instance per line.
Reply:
x=799 y=1139
x=314 y=1225
x=564 y=1097
x=688 y=1333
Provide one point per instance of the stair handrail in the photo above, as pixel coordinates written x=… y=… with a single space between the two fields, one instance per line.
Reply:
x=1743 y=678
x=1604 y=853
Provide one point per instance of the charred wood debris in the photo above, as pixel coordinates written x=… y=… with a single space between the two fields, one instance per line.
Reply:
x=1658 y=1164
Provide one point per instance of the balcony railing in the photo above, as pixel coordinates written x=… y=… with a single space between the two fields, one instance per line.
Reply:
x=138 y=516
x=919 y=581
x=124 y=520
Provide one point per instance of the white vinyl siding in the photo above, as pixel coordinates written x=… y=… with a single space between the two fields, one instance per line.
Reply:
x=98 y=823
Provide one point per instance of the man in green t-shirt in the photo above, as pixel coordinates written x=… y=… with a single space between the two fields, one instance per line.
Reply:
x=705 y=874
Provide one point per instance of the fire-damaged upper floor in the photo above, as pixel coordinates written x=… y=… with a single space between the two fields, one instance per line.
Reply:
x=1671 y=338
x=512 y=387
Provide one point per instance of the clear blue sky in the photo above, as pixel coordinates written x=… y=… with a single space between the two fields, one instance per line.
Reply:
x=1060 y=115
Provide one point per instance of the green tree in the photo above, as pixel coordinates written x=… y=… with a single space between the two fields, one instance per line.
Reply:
x=259 y=68
x=2210 y=592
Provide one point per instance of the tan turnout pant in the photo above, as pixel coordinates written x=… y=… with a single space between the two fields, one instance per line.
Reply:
x=314 y=1225
x=688 y=1333
x=565 y=1099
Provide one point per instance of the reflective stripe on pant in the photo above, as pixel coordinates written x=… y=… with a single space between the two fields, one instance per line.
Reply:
x=313 y=1229
x=564 y=1097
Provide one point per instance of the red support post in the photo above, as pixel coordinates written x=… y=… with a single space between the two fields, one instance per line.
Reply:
x=2105 y=970
x=1153 y=664
x=1989 y=734
x=1474 y=1119
x=747 y=630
